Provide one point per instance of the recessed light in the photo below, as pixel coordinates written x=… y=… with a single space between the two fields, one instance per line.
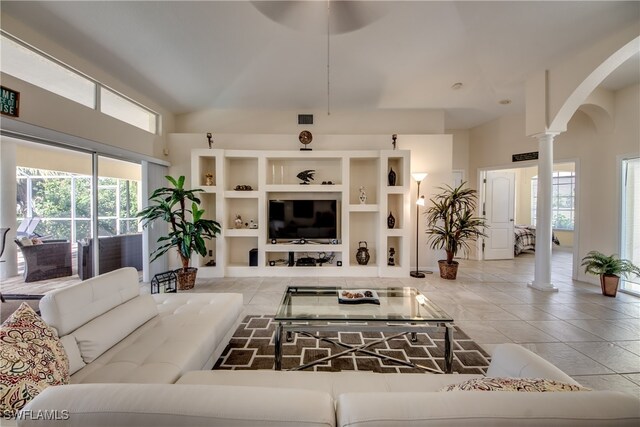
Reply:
x=504 y=102
x=456 y=86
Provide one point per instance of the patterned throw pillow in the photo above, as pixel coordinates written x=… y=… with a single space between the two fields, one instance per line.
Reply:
x=513 y=384
x=31 y=359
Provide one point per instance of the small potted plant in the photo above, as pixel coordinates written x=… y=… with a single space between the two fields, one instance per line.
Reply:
x=609 y=268
x=452 y=224
x=188 y=227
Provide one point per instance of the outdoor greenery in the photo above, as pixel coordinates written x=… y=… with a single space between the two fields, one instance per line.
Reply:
x=188 y=227
x=54 y=194
x=598 y=263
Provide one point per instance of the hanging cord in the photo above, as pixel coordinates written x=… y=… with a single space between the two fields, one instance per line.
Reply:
x=328 y=57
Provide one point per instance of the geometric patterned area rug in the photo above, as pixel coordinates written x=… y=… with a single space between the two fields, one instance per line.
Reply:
x=252 y=347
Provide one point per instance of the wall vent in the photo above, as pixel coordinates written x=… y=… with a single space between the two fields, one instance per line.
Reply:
x=305 y=119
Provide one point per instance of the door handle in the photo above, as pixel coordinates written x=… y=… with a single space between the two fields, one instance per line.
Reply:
x=511 y=220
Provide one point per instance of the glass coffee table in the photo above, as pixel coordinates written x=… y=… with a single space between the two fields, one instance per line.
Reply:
x=309 y=310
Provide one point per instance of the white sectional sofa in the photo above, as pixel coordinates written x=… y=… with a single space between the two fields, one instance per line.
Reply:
x=142 y=380
x=112 y=333
x=345 y=399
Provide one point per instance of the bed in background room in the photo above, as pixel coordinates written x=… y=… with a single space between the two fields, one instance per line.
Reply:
x=525 y=239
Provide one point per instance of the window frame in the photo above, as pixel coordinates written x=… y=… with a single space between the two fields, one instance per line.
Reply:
x=98 y=87
x=556 y=209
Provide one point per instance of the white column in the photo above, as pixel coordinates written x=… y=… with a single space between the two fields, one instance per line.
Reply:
x=542 y=274
x=9 y=268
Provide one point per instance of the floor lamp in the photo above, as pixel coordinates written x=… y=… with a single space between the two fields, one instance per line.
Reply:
x=418 y=176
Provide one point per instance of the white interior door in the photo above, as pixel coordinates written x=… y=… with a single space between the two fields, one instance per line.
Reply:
x=499 y=206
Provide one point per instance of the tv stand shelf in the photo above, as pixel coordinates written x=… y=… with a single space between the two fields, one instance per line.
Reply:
x=273 y=175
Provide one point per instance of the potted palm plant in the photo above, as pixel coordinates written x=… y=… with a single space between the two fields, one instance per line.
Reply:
x=609 y=268
x=452 y=224
x=188 y=227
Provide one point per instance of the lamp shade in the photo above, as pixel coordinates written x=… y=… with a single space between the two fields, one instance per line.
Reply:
x=419 y=176
x=420 y=201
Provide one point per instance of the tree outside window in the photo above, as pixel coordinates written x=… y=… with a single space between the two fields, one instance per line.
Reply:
x=63 y=202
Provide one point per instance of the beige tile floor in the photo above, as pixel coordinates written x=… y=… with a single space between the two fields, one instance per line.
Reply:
x=593 y=338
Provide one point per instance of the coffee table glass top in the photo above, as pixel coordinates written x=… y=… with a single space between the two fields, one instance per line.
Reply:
x=309 y=303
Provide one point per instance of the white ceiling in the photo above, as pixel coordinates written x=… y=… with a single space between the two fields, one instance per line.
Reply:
x=190 y=56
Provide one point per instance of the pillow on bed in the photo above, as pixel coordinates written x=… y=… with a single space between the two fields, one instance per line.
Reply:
x=513 y=384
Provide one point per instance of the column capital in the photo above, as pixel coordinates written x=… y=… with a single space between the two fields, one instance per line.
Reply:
x=545 y=135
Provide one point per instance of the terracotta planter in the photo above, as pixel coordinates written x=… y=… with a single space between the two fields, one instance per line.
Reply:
x=448 y=271
x=186 y=279
x=609 y=284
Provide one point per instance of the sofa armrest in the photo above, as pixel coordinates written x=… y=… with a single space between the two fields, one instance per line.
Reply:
x=513 y=360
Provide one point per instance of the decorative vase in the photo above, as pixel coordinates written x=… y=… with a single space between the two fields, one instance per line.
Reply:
x=208 y=179
x=362 y=255
x=392 y=177
x=363 y=196
x=238 y=221
x=391 y=221
x=391 y=261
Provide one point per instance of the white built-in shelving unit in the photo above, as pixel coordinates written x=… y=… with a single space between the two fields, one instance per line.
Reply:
x=273 y=175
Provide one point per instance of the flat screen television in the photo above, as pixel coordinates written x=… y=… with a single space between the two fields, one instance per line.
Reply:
x=303 y=219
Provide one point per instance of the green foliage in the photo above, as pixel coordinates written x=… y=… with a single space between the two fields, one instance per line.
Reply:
x=598 y=263
x=189 y=229
x=451 y=223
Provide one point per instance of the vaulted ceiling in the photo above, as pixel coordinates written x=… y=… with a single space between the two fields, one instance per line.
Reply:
x=191 y=56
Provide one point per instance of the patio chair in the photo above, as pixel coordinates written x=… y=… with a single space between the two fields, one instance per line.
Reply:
x=47 y=260
x=27 y=227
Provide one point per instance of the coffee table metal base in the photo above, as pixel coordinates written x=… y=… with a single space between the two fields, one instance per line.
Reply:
x=308 y=329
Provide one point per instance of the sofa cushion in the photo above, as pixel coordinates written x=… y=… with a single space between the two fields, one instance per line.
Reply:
x=73 y=353
x=467 y=408
x=110 y=328
x=513 y=384
x=31 y=359
x=183 y=337
x=69 y=308
x=185 y=405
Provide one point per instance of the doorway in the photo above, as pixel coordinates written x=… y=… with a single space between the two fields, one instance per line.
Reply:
x=70 y=197
x=508 y=199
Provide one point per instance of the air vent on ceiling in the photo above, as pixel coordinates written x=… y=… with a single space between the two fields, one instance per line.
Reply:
x=305 y=119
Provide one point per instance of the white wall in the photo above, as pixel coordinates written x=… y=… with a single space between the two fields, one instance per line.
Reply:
x=340 y=122
x=596 y=151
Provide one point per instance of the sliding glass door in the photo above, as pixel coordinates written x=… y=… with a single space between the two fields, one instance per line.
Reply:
x=630 y=238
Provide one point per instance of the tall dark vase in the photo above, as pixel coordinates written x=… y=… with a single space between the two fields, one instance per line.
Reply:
x=392 y=177
x=391 y=221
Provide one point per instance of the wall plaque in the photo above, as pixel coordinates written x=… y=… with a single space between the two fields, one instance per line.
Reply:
x=9 y=102
x=522 y=157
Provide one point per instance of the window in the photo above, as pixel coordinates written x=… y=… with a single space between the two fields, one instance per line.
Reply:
x=32 y=67
x=62 y=201
x=562 y=202
x=121 y=108
x=631 y=220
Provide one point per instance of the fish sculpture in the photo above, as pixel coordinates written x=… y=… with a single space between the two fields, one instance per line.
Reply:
x=306 y=176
